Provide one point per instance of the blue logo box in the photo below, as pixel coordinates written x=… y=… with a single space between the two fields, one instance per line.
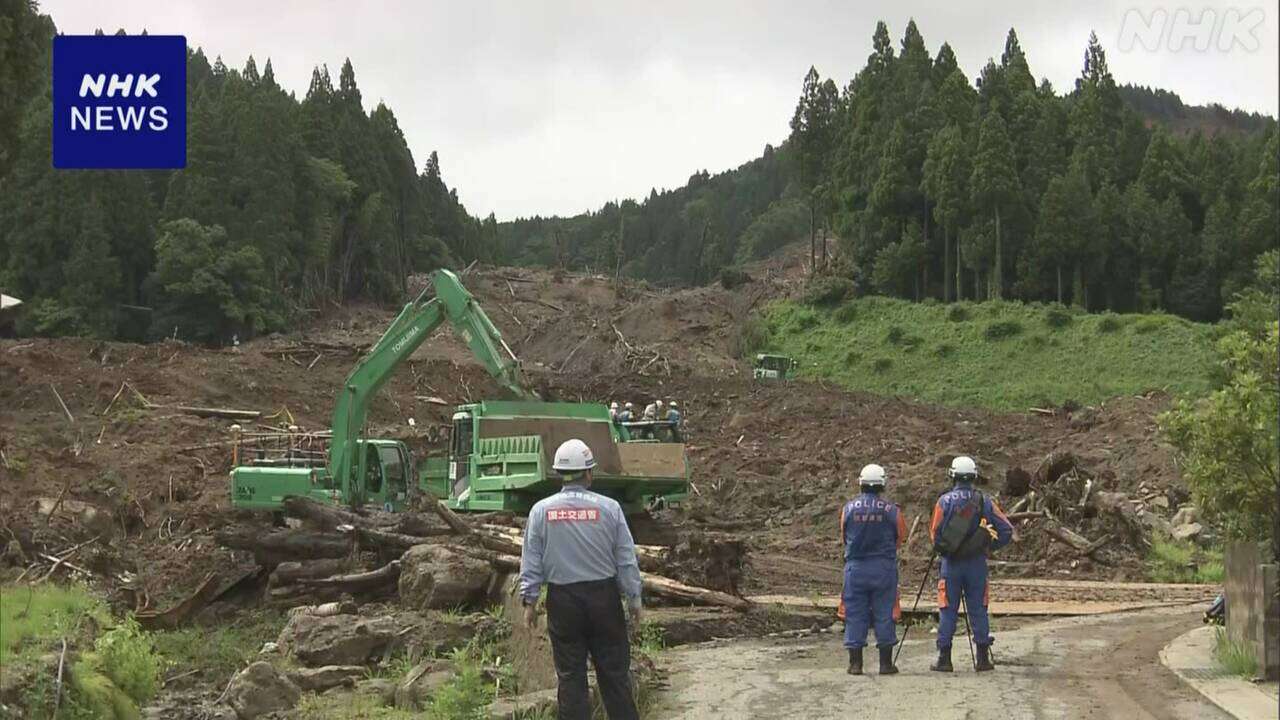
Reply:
x=119 y=101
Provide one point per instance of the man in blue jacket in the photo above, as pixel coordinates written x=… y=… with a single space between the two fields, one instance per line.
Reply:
x=577 y=544
x=966 y=525
x=871 y=530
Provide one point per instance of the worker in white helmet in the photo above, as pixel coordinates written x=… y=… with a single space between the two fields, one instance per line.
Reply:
x=871 y=531
x=577 y=543
x=650 y=411
x=627 y=414
x=966 y=525
x=673 y=417
x=613 y=411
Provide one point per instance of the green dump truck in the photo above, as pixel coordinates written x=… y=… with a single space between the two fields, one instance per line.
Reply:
x=499 y=454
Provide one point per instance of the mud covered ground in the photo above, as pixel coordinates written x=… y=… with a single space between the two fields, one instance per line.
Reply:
x=772 y=463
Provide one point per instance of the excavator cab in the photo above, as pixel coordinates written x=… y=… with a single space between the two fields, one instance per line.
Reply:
x=460 y=446
x=774 y=367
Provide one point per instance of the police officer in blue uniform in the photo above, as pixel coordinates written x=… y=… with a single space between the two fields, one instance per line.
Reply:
x=578 y=544
x=966 y=526
x=871 y=530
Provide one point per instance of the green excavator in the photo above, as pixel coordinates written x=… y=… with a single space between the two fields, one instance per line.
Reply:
x=499 y=453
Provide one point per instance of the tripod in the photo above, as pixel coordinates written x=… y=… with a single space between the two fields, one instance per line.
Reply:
x=932 y=556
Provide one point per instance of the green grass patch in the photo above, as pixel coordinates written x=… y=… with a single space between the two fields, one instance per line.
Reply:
x=650 y=640
x=1108 y=324
x=115 y=670
x=1011 y=358
x=827 y=291
x=33 y=618
x=1001 y=329
x=218 y=651
x=845 y=314
x=1057 y=316
x=348 y=706
x=1234 y=657
x=751 y=336
x=1175 y=561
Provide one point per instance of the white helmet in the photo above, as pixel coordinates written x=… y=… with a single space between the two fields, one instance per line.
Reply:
x=628 y=405
x=872 y=474
x=614 y=405
x=658 y=403
x=573 y=456
x=963 y=467
x=672 y=404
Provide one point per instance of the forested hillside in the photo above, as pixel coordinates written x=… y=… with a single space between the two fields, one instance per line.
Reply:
x=921 y=182
x=285 y=207
x=1105 y=197
x=1166 y=108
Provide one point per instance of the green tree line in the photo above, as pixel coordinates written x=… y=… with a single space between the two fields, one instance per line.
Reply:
x=286 y=206
x=920 y=182
x=1106 y=197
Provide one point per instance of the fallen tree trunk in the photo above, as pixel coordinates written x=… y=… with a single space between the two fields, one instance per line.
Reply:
x=501 y=539
x=323 y=516
x=1097 y=544
x=175 y=616
x=358 y=582
x=329 y=517
x=1067 y=536
x=1083 y=546
x=674 y=590
x=271 y=549
x=392 y=542
x=656 y=585
x=291 y=572
x=205 y=412
x=450 y=518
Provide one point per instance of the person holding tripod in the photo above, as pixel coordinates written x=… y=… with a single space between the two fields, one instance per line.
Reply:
x=871 y=531
x=966 y=526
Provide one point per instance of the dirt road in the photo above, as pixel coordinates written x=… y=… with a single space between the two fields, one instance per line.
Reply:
x=1092 y=668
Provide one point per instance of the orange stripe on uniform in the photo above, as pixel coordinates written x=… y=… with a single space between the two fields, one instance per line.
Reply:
x=897 y=606
x=942 y=593
x=935 y=522
x=902 y=528
x=840 y=608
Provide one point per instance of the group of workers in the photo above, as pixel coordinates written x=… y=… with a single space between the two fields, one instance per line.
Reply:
x=655 y=412
x=577 y=544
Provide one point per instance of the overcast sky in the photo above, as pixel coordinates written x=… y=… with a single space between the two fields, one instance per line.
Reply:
x=557 y=107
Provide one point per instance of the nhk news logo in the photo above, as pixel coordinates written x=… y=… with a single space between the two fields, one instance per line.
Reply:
x=119 y=102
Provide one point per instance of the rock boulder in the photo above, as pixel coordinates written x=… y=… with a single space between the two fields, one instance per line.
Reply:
x=337 y=639
x=260 y=689
x=416 y=688
x=437 y=578
x=327 y=676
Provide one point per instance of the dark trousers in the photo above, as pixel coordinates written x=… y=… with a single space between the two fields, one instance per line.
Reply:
x=586 y=618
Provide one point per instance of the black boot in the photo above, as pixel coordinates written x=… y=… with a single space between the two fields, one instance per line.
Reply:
x=855 y=661
x=984 y=659
x=944 y=661
x=886 y=661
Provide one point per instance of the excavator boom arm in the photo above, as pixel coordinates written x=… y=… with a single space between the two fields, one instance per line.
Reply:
x=407 y=332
